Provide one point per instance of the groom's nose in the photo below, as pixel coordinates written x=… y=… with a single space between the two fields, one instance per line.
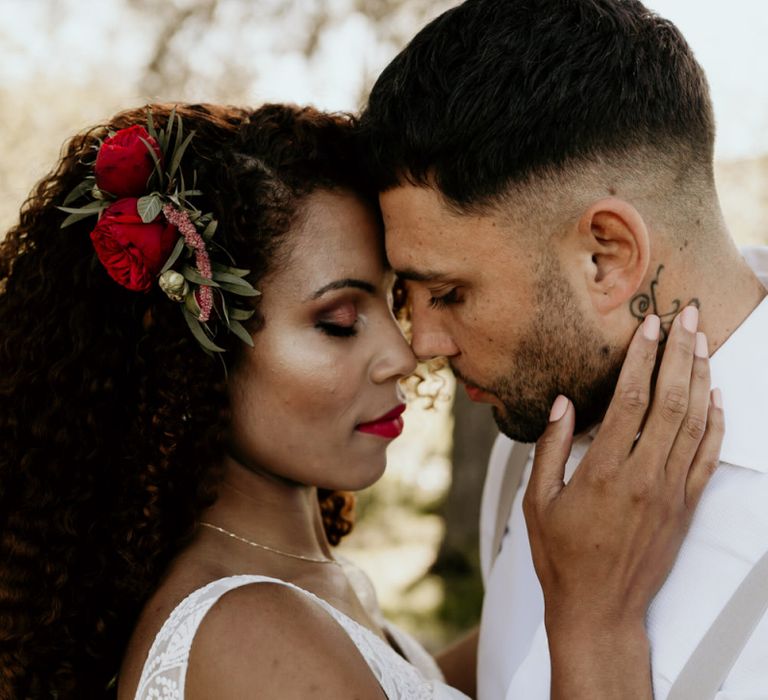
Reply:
x=429 y=337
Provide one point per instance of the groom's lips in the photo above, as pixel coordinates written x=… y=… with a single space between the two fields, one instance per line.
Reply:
x=476 y=394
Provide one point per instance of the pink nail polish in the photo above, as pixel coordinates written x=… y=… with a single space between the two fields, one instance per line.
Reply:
x=559 y=407
x=690 y=318
x=651 y=326
x=701 y=349
x=717 y=398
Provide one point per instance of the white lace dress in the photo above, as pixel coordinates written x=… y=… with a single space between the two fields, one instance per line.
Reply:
x=166 y=666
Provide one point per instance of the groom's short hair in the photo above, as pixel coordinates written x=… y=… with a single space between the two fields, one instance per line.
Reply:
x=495 y=93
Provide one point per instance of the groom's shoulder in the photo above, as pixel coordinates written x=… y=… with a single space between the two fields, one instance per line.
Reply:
x=500 y=451
x=494 y=477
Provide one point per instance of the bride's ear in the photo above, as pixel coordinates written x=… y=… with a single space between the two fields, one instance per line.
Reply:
x=614 y=246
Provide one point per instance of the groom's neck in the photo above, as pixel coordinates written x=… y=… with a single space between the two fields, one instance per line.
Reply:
x=714 y=276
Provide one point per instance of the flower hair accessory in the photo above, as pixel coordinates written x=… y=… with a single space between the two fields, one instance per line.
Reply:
x=149 y=231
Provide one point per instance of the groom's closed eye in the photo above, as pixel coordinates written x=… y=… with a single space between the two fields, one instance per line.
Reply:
x=453 y=296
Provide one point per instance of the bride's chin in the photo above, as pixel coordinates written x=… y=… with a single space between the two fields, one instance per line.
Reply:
x=359 y=476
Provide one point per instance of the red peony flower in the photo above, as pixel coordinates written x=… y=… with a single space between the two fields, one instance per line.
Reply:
x=124 y=164
x=132 y=252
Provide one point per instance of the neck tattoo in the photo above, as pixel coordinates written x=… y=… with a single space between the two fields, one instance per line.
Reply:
x=643 y=304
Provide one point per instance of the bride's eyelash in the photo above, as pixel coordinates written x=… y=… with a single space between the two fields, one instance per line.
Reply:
x=451 y=297
x=335 y=330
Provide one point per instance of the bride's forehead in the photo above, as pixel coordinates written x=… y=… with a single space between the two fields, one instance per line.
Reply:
x=318 y=262
x=342 y=231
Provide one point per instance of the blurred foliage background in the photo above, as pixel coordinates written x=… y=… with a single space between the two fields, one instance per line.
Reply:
x=66 y=64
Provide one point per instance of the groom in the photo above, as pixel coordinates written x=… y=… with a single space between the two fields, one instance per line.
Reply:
x=546 y=180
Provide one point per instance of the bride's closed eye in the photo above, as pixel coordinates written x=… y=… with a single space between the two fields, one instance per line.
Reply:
x=339 y=322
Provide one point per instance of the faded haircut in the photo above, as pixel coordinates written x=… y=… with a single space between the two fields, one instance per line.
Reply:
x=495 y=94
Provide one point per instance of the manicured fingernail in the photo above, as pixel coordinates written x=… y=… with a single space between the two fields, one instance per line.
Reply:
x=651 y=326
x=559 y=407
x=717 y=398
x=690 y=318
x=701 y=349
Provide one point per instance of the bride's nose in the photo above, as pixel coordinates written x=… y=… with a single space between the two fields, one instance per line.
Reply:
x=394 y=358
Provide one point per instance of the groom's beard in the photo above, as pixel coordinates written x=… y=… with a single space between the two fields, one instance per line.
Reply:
x=561 y=353
x=528 y=399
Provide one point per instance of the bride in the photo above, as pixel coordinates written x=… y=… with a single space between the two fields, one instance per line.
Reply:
x=193 y=383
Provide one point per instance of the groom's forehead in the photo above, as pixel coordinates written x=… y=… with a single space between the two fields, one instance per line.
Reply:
x=463 y=257
x=416 y=216
x=420 y=212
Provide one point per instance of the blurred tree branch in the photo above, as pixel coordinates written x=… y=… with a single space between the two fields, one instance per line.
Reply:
x=295 y=27
x=164 y=71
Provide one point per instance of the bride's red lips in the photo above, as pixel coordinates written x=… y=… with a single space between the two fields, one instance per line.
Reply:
x=390 y=425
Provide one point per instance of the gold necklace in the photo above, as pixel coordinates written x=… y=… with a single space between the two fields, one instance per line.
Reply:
x=265 y=547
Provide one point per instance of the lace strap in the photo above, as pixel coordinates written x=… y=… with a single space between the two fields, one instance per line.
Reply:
x=165 y=669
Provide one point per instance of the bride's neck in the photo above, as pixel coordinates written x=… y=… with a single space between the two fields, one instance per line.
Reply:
x=267 y=509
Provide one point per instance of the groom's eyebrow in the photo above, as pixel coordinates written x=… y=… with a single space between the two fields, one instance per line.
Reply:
x=413 y=275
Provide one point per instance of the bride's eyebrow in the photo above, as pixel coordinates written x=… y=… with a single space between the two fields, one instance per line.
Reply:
x=343 y=284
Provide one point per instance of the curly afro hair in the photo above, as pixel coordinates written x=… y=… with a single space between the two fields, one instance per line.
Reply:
x=113 y=422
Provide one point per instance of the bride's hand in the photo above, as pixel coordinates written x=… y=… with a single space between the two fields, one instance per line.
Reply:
x=604 y=543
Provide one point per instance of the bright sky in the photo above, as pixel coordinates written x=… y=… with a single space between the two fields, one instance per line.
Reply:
x=82 y=37
x=730 y=40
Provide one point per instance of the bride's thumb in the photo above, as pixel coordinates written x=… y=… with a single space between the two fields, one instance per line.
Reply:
x=552 y=450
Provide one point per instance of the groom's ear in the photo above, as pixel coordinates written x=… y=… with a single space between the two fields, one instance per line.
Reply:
x=614 y=246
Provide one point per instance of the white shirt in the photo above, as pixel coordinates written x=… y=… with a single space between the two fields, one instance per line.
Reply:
x=729 y=533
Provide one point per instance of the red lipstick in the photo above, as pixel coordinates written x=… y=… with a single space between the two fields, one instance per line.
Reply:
x=388 y=426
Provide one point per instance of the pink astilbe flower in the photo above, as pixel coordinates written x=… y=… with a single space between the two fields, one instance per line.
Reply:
x=204 y=294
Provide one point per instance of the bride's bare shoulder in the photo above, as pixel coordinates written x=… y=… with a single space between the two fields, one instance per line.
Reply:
x=266 y=640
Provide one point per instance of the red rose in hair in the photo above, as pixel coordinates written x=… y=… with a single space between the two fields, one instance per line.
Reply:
x=132 y=252
x=124 y=164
